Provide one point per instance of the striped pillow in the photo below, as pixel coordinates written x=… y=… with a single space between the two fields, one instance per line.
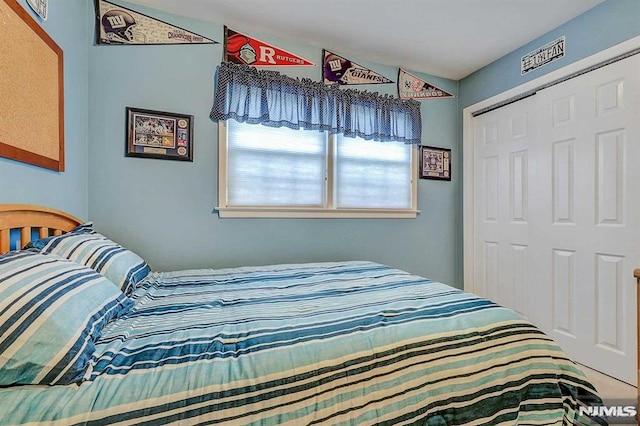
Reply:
x=52 y=310
x=83 y=245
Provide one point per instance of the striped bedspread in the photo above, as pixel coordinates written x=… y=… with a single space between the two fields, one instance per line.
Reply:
x=351 y=343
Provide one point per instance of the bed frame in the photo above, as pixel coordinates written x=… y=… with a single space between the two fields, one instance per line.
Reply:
x=27 y=218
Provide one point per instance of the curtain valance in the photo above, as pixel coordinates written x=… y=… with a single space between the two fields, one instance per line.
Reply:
x=254 y=96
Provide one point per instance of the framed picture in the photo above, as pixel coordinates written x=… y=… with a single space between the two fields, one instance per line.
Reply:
x=157 y=134
x=435 y=163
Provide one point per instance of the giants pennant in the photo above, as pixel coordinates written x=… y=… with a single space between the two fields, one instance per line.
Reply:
x=119 y=25
x=336 y=69
x=242 y=49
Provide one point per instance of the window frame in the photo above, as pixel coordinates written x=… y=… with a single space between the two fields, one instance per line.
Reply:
x=330 y=211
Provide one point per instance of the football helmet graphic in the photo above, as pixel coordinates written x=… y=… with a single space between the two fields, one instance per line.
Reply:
x=118 y=26
x=239 y=50
x=336 y=69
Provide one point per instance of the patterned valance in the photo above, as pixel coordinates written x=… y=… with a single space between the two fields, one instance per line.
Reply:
x=249 y=95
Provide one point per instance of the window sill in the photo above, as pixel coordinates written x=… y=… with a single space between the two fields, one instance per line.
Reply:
x=311 y=212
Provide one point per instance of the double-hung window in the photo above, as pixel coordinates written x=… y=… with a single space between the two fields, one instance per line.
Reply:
x=280 y=172
x=299 y=149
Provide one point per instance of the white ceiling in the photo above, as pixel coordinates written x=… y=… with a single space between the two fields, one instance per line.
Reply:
x=446 y=38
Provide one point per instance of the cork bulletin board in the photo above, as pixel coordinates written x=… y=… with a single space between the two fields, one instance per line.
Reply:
x=31 y=91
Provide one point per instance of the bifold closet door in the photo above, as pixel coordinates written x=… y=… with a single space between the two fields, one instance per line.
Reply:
x=557 y=234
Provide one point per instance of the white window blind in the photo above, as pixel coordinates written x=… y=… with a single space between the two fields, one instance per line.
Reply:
x=275 y=166
x=372 y=174
x=280 y=172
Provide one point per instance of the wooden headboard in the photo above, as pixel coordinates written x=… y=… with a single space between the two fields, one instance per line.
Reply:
x=27 y=218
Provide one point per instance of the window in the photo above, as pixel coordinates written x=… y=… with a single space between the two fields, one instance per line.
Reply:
x=280 y=172
x=282 y=153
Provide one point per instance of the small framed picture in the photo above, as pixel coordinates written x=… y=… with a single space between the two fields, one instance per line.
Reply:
x=158 y=134
x=435 y=163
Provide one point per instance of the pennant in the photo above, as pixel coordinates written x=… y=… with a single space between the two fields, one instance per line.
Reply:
x=40 y=7
x=119 y=25
x=336 y=69
x=412 y=87
x=241 y=49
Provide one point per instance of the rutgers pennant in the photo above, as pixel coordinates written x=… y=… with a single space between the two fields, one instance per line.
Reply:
x=241 y=49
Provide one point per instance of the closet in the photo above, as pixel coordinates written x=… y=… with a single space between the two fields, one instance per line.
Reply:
x=555 y=215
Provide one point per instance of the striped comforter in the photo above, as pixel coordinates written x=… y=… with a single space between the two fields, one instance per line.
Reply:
x=327 y=343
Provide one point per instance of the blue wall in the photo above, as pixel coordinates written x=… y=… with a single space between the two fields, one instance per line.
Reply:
x=163 y=209
x=25 y=184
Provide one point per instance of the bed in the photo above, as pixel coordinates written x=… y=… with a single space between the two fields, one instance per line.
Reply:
x=89 y=335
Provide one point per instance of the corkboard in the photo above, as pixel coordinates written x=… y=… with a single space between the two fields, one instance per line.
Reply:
x=31 y=91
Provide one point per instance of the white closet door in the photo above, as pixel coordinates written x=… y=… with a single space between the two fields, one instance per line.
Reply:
x=589 y=147
x=557 y=229
x=504 y=169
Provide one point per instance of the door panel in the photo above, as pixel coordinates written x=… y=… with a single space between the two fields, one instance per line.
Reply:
x=503 y=174
x=588 y=143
